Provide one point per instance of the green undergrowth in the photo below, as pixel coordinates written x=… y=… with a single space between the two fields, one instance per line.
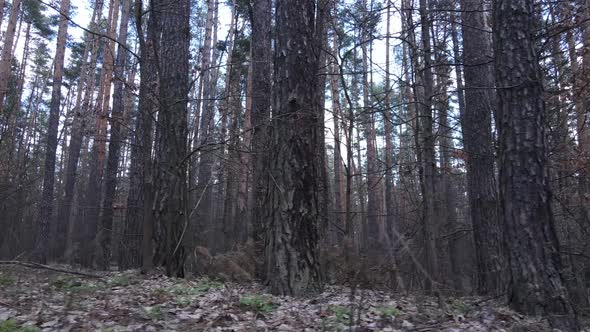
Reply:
x=11 y=326
x=202 y=286
x=6 y=281
x=461 y=306
x=257 y=303
x=387 y=312
x=73 y=285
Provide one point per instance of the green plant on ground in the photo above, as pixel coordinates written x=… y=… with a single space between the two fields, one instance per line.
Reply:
x=203 y=286
x=68 y=284
x=118 y=281
x=257 y=303
x=159 y=292
x=156 y=313
x=11 y=326
x=184 y=301
x=65 y=283
x=341 y=313
x=461 y=306
x=85 y=288
x=207 y=284
x=388 y=311
x=6 y=280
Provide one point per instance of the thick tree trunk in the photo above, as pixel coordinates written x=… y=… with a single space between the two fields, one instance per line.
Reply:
x=476 y=123
x=427 y=164
x=115 y=143
x=407 y=159
x=78 y=127
x=244 y=195
x=261 y=94
x=457 y=247
x=374 y=237
x=580 y=72
x=92 y=251
x=295 y=197
x=204 y=190
x=390 y=206
x=46 y=206
x=232 y=108
x=171 y=191
x=138 y=229
x=339 y=207
x=537 y=287
x=6 y=59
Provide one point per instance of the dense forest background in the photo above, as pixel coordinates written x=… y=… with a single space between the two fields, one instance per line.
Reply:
x=437 y=146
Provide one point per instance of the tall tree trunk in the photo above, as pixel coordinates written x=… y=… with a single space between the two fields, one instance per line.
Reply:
x=91 y=253
x=375 y=201
x=537 y=287
x=339 y=208
x=46 y=206
x=407 y=159
x=171 y=170
x=480 y=105
x=6 y=60
x=206 y=159
x=244 y=195
x=427 y=164
x=295 y=209
x=456 y=247
x=139 y=227
x=115 y=143
x=261 y=99
x=231 y=112
x=580 y=73
x=78 y=128
x=390 y=206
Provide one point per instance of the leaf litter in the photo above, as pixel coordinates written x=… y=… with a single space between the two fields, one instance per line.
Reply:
x=39 y=300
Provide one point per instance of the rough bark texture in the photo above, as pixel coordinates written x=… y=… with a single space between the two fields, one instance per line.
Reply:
x=537 y=287
x=480 y=103
x=6 y=59
x=91 y=251
x=137 y=233
x=46 y=206
x=339 y=207
x=115 y=142
x=457 y=247
x=390 y=207
x=427 y=164
x=171 y=193
x=374 y=236
x=261 y=88
x=204 y=212
x=86 y=87
x=295 y=206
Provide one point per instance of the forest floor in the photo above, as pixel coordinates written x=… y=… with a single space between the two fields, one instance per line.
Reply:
x=43 y=300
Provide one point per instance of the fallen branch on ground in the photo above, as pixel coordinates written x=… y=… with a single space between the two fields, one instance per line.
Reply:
x=46 y=267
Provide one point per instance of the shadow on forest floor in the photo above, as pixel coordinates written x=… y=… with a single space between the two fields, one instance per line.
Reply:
x=41 y=300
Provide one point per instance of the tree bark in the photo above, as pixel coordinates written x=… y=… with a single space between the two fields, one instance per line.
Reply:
x=115 y=142
x=537 y=287
x=476 y=123
x=204 y=213
x=46 y=206
x=260 y=115
x=92 y=251
x=171 y=191
x=427 y=164
x=6 y=59
x=79 y=125
x=295 y=194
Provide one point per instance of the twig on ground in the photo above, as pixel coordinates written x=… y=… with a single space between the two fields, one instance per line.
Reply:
x=46 y=267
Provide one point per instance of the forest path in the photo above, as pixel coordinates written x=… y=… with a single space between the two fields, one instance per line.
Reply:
x=126 y=301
